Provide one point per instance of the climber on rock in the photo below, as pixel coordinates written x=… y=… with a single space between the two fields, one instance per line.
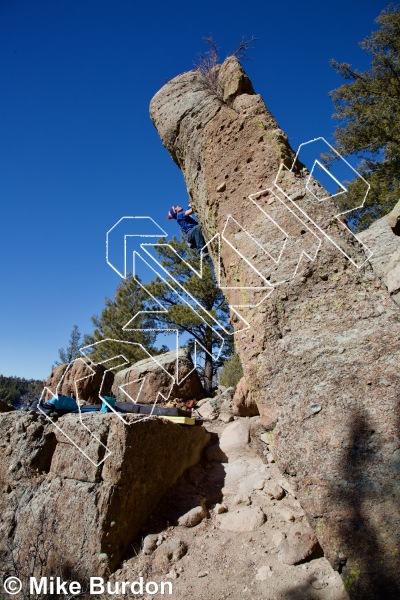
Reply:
x=190 y=228
x=191 y=232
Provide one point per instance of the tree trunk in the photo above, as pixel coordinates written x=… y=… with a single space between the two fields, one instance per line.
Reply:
x=208 y=363
x=208 y=373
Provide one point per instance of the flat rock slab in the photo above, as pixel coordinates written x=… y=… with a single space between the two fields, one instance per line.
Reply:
x=243 y=519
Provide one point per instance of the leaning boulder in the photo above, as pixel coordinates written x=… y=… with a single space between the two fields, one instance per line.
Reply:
x=81 y=381
x=322 y=350
x=152 y=379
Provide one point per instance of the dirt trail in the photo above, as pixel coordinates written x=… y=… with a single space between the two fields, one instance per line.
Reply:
x=248 y=522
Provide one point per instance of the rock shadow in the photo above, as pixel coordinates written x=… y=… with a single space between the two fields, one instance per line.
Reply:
x=366 y=501
x=199 y=485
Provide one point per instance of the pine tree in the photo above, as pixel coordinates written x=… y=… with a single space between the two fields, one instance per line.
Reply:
x=182 y=317
x=231 y=372
x=66 y=355
x=129 y=299
x=18 y=391
x=368 y=106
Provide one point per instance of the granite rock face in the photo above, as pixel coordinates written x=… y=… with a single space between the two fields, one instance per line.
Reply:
x=383 y=238
x=150 y=380
x=321 y=356
x=83 y=512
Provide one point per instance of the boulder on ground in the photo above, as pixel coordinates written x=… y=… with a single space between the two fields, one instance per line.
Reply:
x=169 y=552
x=207 y=411
x=81 y=381
x=152 y=379
x=150 y=543
x=86 y=513
x=235 y=436
x=192 y=517
x=243 y=404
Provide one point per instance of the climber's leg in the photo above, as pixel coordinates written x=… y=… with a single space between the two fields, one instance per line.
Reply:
x=195 y=239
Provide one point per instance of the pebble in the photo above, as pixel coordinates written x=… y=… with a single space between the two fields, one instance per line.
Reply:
x=172 y=574
x=193 y=517
x=150 y=543
x=278 y=492
x=315 y=407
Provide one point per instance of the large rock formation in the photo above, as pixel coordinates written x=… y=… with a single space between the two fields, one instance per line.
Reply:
x=77 y=514
x=321 y=356
x=146 y=381
x=150 y=380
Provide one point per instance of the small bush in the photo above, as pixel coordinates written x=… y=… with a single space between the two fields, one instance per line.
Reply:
x=208 y=64
x=231 y=372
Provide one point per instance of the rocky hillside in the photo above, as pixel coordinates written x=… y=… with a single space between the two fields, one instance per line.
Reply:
x=18 y=391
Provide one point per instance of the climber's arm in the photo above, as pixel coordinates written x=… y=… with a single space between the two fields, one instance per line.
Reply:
x=188 y=212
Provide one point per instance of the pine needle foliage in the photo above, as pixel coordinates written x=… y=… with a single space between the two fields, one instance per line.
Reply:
x=368 y=108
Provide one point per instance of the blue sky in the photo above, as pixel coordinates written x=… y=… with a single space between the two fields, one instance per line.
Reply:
x=78 y=150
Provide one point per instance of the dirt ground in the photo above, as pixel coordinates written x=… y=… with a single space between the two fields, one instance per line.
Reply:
x=227 y=530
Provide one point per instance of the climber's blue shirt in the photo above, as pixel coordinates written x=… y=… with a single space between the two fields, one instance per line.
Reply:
x=186 y=223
